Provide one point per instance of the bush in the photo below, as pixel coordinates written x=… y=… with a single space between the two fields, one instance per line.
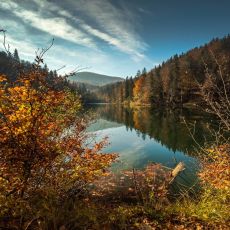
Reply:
x=44 y=156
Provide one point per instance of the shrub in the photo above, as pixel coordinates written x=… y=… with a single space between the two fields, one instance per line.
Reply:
x=44 y=155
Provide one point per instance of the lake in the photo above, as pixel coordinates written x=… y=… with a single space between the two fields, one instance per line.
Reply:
x=144 y=135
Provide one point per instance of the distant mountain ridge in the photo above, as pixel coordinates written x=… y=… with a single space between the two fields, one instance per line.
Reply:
x=94 y=78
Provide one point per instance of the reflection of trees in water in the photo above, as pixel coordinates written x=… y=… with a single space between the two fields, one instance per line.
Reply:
x=165 y=126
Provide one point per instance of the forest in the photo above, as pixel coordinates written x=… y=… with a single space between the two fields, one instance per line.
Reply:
x=176 y=82
x=12 y=66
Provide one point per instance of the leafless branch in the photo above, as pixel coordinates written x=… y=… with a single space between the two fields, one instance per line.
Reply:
x=215 y=92
x=73 y=72
x=6 y=46
x=40 y=54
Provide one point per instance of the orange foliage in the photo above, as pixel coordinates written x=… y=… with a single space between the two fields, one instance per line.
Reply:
x=138 y=86
x=216 y=169
x=43 y=141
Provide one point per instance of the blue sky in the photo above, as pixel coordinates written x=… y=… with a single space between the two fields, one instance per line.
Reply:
x=113 y=37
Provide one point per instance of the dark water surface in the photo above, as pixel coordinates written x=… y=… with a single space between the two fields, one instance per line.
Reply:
x=145 y=135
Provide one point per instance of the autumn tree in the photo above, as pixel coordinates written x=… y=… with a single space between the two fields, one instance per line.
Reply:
x=127 y=89
x=44 y=148
x=165 y=81
x=174 y=82
x=137 y=89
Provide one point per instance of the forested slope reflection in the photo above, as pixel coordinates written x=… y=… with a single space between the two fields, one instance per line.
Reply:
x=179 y=130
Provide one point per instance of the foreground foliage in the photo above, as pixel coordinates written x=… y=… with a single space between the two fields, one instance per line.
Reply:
x=53 y=177
x=45 y=158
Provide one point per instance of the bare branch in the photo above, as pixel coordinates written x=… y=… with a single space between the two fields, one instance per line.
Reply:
x=215 y=92
x=6 y=46
x=40 y=54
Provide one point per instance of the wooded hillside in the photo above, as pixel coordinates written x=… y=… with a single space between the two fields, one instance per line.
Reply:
x=176 y=81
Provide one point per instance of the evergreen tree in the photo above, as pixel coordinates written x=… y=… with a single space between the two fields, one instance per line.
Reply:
x=15 y=55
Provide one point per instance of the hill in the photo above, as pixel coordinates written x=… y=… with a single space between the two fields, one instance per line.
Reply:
x=177 y=81
x=94 y=78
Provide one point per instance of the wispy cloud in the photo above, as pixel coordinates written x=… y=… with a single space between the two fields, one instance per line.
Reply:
x=27 y=50
x=92 y=33
x=55 y=26
x=118 y=26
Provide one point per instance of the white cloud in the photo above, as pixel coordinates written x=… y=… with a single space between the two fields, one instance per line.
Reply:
x=15 y=41
x=26 y=49
x=82 y=22
x=115 y=28
x=55 y=26
x=117 y=24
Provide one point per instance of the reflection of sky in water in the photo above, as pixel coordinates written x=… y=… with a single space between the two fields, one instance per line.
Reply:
x=134 y=151
x=145 y=135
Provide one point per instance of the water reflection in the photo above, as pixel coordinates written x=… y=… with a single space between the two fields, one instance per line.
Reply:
x=168 y=127
x=146 y=135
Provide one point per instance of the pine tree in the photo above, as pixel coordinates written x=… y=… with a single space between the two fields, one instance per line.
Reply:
x=16 y=56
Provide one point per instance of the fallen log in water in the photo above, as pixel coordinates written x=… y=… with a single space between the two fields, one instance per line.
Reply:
x=179 y=168
x=137 y=184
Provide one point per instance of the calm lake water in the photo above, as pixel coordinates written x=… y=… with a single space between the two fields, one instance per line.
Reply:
x=145 y=135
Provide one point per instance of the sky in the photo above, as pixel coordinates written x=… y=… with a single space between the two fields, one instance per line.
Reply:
x=111 y=37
